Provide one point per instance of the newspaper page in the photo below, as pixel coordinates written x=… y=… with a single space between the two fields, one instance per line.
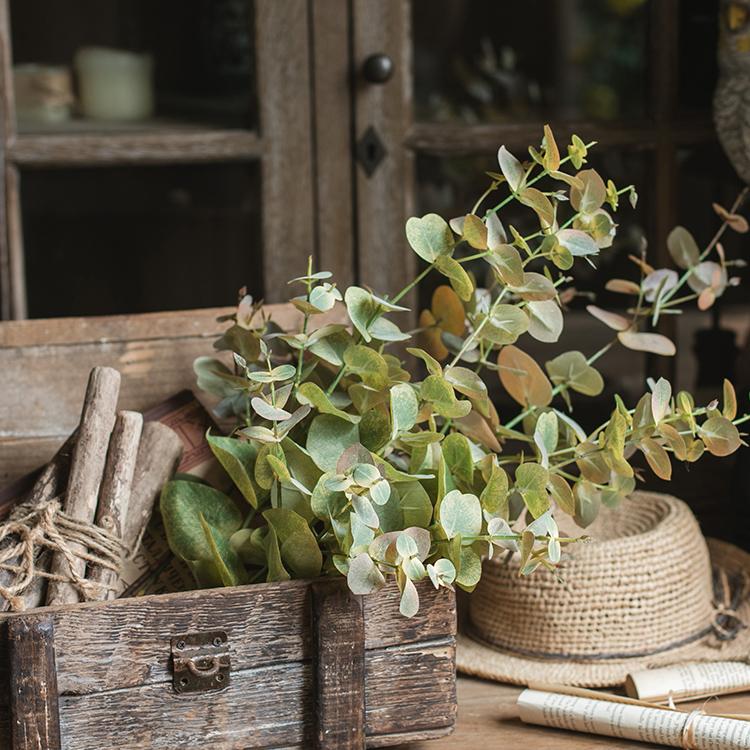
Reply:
x=625 y=719
x=684 y=682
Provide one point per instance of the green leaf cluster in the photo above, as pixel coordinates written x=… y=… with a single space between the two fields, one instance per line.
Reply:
x=342 y=461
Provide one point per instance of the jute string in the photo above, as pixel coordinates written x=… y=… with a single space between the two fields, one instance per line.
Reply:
x=32 y=528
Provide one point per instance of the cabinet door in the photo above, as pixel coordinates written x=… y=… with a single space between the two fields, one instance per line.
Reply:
x=470 y=76
x=214 y=192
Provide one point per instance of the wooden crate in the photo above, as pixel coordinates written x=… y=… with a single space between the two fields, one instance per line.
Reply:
x=299 y=664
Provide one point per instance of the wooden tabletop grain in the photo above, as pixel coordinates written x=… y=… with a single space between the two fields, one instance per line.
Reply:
x=488 y=718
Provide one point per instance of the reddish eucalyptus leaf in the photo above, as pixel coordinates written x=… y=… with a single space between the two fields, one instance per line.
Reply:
x=612 y=320
x=654 y=343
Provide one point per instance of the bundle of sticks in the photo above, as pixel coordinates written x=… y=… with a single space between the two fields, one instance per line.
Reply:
x=108 y=474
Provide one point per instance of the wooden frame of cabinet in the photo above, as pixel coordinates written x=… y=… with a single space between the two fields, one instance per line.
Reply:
x=294 y=207
x=387 y=29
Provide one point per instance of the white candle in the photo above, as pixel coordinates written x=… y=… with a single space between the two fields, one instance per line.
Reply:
x=114 y=84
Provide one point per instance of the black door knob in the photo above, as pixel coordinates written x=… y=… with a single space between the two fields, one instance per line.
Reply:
x=377 y=68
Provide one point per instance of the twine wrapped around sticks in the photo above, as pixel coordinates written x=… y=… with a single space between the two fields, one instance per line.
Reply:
x=32 y=528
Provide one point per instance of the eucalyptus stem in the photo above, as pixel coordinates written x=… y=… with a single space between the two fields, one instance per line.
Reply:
x=305 y=324
x=411 y=285
x=739 y=200
x=481 y=198
x=540 y=176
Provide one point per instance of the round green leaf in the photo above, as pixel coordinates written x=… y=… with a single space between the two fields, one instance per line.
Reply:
x=683 y=248
x=460 y=514
x=237 y=458
x=720 y=436
x=182 y=504
x=327 y=438
x=313 y=395
x=429 y=236
x=455 y=273
x=368 y=365
x=404 y=408
x=571 y=368
x=545 y=321
x=505 y=325
x=299 y=547
x=364 y=577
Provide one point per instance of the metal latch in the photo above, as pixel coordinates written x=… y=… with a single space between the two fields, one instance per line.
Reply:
x=200 y=662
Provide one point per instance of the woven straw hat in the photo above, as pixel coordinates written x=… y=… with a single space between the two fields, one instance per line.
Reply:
x=647 y=591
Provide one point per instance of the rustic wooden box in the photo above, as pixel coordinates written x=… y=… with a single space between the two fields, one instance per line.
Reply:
x=301 y=664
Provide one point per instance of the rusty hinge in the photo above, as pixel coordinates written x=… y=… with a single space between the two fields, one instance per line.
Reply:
x=200 y=662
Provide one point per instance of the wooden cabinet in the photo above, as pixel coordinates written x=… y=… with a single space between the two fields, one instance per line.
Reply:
x=216 y=191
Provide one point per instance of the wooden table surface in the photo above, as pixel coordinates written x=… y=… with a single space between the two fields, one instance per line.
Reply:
x=488 y=718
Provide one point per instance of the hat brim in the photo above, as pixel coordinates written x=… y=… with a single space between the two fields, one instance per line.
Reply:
x=481 y=660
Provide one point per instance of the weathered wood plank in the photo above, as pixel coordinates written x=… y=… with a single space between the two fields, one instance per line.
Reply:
x=48 y=361
x=126 y=642
x=7 y=131
x=339 y=666
x=164 y=147
x=282 y=48
x=267 y=707
x=181 y=324
x=385 y=260
x=428 y=665
x=331 y=28
x=34 y=709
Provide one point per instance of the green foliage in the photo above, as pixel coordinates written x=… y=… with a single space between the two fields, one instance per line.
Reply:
x=344 y=465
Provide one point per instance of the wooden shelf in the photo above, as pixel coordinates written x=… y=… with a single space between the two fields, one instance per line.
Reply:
x=88 y=143
x=448 y=138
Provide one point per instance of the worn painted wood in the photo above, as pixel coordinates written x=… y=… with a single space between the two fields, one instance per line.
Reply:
x=331 y=100
x=339 y=666
x=16 y=259
x=282 y=49
x=456 y=139
x=113 y=659
x=267 y=623
x=7 y=127
x=34 y=711
x=385 y=261
x=86 y=472
x=48 y=362
x=164 y=146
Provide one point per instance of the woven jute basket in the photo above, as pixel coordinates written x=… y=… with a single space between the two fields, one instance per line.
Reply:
x=647 y=590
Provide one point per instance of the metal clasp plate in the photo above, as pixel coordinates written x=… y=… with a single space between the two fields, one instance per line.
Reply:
x=200 y=662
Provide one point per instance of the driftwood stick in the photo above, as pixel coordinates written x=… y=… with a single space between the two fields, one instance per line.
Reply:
x=86 y=469
x=51 y=481
x=158 y=457
x=114 y=495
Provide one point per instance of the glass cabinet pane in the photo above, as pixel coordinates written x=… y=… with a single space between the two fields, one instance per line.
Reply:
x=699 y=28
x=202 y=53
x=140 y=239
x=489 y=61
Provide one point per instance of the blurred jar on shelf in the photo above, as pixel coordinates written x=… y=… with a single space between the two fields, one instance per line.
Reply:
x=43 y=93
x=115 y=84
